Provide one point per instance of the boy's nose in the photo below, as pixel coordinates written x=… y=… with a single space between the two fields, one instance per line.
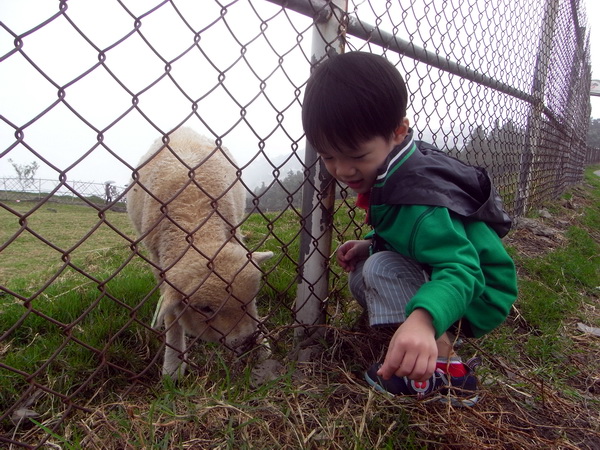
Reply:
x=345 y=170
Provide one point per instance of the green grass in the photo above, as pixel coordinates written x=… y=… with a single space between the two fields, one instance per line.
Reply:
x=26 y=227
x=563 y=279
x=557 y=290
x=81 y=331
x=72 y=326
x=74 y=319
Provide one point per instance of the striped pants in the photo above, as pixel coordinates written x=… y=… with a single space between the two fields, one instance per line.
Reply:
x=384 y=284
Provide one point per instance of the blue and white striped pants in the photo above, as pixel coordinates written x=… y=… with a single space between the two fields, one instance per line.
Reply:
x=384 y=284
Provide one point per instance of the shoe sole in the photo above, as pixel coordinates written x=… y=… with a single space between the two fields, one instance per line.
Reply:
x=454 y=401
x=374 y=384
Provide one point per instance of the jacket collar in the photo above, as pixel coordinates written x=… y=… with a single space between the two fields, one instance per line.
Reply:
x=396 y=157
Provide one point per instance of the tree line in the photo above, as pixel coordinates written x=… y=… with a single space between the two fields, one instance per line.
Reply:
x=593 y=136
x=496 y=150
x=279 y=194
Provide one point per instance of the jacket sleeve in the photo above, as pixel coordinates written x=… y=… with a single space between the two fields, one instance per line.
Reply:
x=436 y=238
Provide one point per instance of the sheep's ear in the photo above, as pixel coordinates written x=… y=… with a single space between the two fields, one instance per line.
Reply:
x=166 y=304
x=261 y=257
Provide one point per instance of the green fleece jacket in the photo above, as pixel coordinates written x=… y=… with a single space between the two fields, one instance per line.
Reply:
x=471 y=274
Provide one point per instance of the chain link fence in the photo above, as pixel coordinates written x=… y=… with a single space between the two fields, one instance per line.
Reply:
x=497 y=83
x=77 y=192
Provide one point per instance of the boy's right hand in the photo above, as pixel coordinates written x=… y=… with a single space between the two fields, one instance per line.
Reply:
x=413 y=349
x=352 y=252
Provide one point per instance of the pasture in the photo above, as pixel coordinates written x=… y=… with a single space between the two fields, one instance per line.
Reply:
x=82 y=366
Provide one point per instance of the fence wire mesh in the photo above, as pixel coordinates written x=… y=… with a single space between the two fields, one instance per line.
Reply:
x=88 y=86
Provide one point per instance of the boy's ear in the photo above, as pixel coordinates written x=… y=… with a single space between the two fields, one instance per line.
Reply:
x=401 y=131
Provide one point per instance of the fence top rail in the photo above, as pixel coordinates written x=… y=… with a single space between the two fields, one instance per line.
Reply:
x=320 y=10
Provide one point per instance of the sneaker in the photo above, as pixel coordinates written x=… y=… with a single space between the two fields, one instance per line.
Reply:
x=459 y=391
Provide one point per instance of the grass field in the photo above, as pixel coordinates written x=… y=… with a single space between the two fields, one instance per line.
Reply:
x=79 y=365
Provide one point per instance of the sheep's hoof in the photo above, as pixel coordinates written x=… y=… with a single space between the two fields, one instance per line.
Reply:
x=263 y=350
x=175 y=373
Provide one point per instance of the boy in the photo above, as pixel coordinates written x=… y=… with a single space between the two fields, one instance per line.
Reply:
x=434 y=260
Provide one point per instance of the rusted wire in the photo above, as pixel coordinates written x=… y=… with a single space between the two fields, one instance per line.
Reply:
x=477 y=91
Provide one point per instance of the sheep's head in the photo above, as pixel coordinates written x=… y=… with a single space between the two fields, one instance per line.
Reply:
x=214 y=301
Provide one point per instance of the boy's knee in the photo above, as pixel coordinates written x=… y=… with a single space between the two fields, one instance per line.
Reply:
x=380 y=265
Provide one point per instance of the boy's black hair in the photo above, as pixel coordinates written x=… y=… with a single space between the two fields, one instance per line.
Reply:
x=352 y=98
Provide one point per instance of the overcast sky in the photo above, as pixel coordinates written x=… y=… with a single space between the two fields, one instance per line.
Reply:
x=255 y=108
x=256 y=100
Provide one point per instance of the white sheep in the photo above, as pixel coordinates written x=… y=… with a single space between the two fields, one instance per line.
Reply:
x=187 y=203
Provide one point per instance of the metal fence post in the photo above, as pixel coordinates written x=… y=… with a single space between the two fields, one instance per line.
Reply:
x=534 y=132
x=318 y=198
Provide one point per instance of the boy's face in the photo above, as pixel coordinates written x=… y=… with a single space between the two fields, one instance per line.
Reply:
x=358 y=167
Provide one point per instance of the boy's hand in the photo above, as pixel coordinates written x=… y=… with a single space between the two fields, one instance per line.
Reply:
x=351 y=252
x=413 y=350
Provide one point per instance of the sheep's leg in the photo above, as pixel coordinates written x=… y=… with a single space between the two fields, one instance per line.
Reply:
x=173 y=364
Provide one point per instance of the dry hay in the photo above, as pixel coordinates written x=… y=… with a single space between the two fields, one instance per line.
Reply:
x=517 y=407
x=325 y=404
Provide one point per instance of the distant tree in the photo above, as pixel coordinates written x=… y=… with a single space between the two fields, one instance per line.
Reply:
x=478 y=138
x=593 y=136
x=497 y=149
x=25 y=172
x=456 y=152
x=280 y=194
x=477 y=148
